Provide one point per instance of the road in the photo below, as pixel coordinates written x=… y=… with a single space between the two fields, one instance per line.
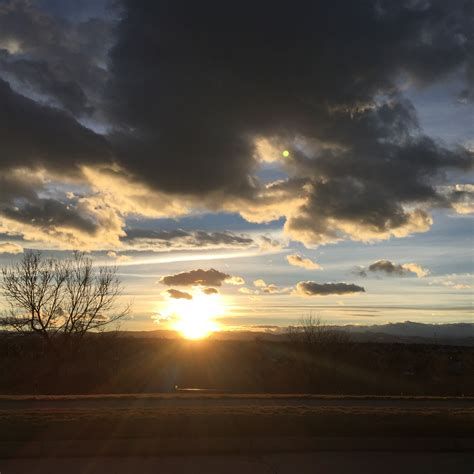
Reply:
x=196 y=401
x=141 y=452
x=272 y=463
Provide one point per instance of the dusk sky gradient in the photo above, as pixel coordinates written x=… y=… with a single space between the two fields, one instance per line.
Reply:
x=317 y=155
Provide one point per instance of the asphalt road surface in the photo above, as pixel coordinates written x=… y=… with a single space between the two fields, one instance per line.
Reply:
x=194 y=401
x=407 y=458
x=272 y=463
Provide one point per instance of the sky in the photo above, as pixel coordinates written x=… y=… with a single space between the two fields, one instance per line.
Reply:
x=248 y=163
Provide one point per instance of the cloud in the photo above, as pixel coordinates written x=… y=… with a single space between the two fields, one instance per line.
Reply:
x=58 y=60
x=456 y=286
x=265 y=288
x=52 y=136
x=269 y=327
x=330 y=90
x=9 y=247
x=338 y=185
x=299 y=261
x=455 y=281
x=158 y=240
x=235 y=280
x=66 y=94
x=200 y=277
x=119 y=257
x=85 y=223
x=29 y=206
x=259 y=283
x=462 y=197
x=267 y=243
x=418 y=270
x=268 y=151
x=177 y=294
x=159 y=318
x=210 y=291
x=392 y=269
x=311 y=288
x=273 y=289
x=385 y=266
x=248 y=291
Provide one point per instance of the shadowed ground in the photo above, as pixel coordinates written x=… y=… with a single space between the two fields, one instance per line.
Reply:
x=274 y=463
x=215 y=433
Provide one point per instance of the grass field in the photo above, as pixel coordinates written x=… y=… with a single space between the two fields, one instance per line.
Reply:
x=140 y=365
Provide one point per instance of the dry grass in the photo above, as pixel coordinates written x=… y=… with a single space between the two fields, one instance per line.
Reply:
x=126 y=365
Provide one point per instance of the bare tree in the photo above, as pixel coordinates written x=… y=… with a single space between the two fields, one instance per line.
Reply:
x=315 y=334
x=66 y=298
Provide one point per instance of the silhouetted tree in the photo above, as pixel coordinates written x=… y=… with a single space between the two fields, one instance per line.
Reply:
x=315 y=334
x=61 y=300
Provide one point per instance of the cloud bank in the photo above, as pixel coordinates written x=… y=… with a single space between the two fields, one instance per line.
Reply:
x=178 y=239
x=325 y=82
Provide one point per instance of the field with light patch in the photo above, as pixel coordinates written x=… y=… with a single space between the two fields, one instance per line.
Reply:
x=126 y=364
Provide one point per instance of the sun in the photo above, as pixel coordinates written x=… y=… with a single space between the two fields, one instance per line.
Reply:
x=194 y=318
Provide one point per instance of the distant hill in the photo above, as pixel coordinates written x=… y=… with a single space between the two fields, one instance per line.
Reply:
x=407 y=332
x=411 y=329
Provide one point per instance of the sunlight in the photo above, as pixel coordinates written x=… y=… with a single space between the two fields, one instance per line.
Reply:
x=193 y=318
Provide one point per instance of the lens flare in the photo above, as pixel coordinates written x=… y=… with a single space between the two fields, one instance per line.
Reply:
x=193 y=318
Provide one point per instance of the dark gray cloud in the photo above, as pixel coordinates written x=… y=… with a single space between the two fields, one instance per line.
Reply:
x=185 y=89
x=311 y=288
x=392 y=269
x=38 y=76
x=200 y=277
x=48 y=54
x=35 y=138
x=21 y=202
x=42 y=212
x=55 y=141
x=325 y=71
x=177 y=294
x=197 y=58
x=178 y=238
x=385 y=266
x=75 y=11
